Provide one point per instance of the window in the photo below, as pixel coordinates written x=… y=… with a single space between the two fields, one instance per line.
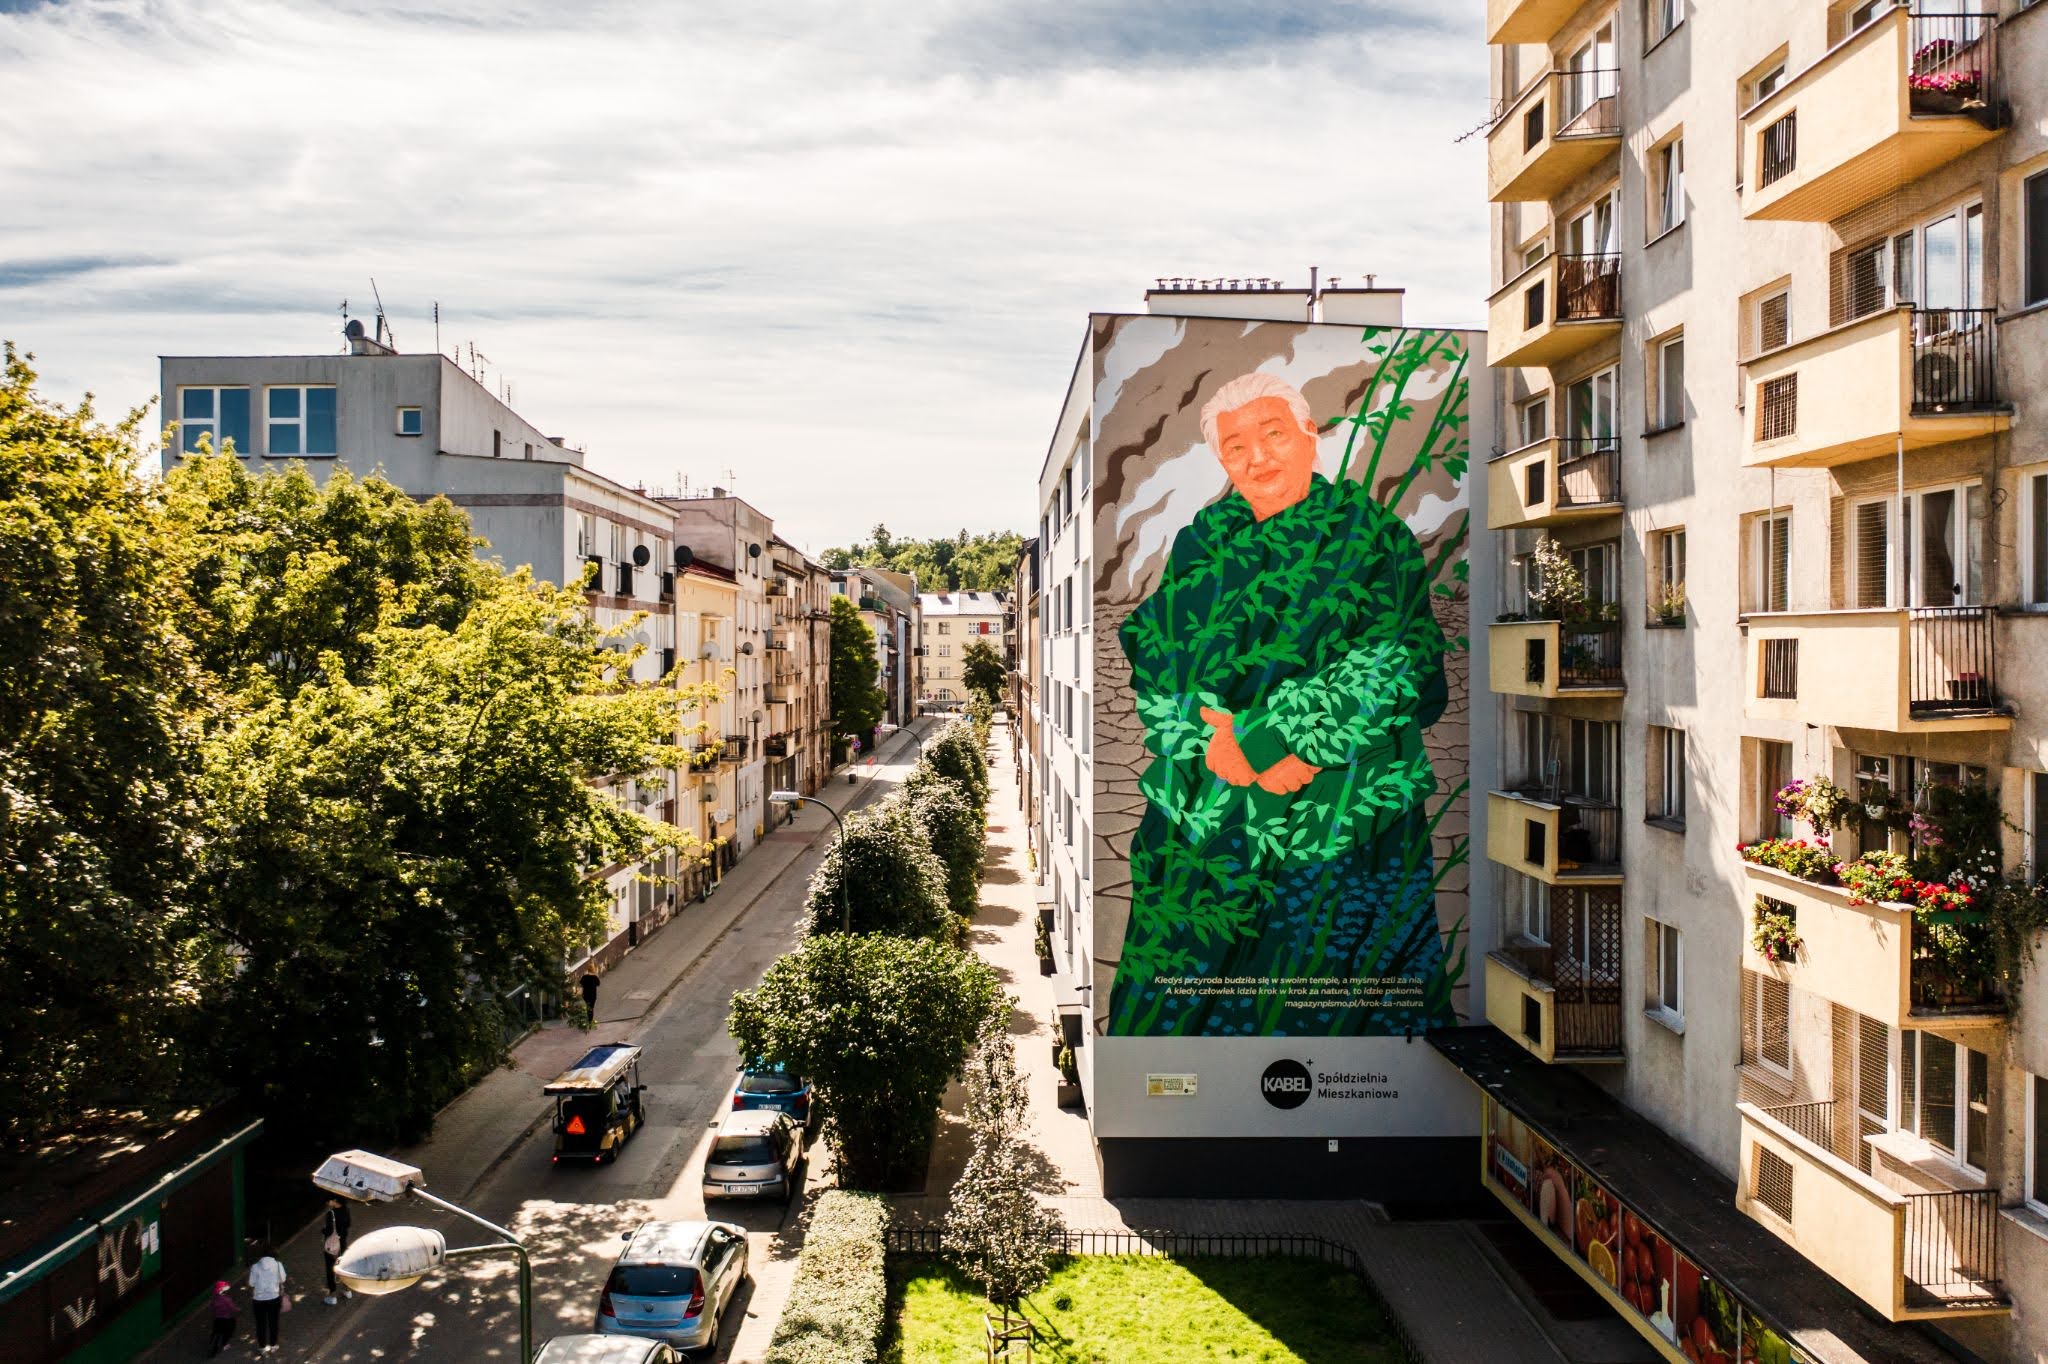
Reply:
x=1942 y=551
x=1770 y=561
x=1669 y=356
x=1667 y=560
x=1767 y=1022
x=1663 y=960
x=1667 y=183
x=945 y=627
x=1766 y=82
x=2034 y=539
x=1067 y=493
x=2034 y=238
x=1532 y=420
x=1667 y=775
x=1870 y=553
x=1591 y=75
x=1589 y=414
x=301 y=421
x=1595 y=564
x=1534 y=252
x=221 y=414
x=1773 y=321
x=1773 y=773
x=1660 y=17
x=1946 y=1096
x=1087 y=598
x=1081 y=462
x=945 y=651
x=411 y=422
x=2037 y=1143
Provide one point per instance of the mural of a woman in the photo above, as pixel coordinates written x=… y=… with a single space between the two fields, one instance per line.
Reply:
x=1285 y=668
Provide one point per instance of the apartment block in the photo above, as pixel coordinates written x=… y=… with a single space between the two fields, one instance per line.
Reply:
x=949 y=622
x=888 y=603
x=798 y=687
x=1769 y=513
x=1026 y=663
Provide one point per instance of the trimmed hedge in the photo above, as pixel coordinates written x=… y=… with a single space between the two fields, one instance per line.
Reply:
x=838 y=1303
x=958 y=835
x=895 y=882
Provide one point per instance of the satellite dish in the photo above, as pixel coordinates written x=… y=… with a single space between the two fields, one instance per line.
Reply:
x=753 y=551
x=640 y=556
x=685 y=556
x=354 y=330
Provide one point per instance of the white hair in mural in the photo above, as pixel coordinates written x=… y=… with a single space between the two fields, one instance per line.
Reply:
x=1249 y=388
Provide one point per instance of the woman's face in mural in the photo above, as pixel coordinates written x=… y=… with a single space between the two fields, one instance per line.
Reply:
x=1269 y=453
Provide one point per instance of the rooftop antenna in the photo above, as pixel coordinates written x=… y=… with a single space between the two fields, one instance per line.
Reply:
x=437 y=326
x=383 y=327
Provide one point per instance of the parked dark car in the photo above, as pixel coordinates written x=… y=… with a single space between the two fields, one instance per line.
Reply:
x=772 y=1087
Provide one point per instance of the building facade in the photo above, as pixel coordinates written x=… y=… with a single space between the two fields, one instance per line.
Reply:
x=888 y=604
x=430 y=429
x=799 y=688
x=1250 y=768
x=729 y=533
x=950 y=621
x=707 y=612
x=1026 y=663
x=1773 y=296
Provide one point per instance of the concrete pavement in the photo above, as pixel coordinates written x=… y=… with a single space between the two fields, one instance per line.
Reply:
x=489 y=1148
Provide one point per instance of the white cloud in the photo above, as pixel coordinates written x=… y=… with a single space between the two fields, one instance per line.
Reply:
x=843 y=250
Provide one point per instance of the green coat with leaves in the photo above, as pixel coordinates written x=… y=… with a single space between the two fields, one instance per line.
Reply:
x=1311 y=913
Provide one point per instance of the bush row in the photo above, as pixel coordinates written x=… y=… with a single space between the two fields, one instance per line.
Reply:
x=838 y=1302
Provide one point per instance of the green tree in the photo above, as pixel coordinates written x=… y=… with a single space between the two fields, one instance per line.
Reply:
x=402 y=807
x=879 y=1024
x=857 y=702
x=958 y=563
x=103 y=958
x=953 y=830
x=981 y=667
x=995 y=1230
x=955 y=753
x=893 y=881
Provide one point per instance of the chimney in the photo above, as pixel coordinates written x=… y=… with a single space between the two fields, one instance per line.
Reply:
x=718 y=492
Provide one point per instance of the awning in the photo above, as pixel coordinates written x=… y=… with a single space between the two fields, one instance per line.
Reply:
x=1657 y=1222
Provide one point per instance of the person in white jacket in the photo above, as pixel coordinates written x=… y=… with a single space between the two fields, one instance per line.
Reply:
x=266 y=1295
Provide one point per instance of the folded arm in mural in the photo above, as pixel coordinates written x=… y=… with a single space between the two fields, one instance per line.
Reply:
x=1285 y=669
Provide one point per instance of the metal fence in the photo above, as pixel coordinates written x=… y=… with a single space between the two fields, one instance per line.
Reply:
x=1781 y=669
x=1954 y=359
x=1588 y=287
x=1780 y=149
x=1952 y=64
x=1813 y=1122
x=1588 y=102
x=1952 y=1249
x=1588 y=471
x=916 y=1239
x=1953 y=658
x=1591 y=655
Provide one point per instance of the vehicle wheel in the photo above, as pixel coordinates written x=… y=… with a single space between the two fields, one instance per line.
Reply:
x=608 y=1155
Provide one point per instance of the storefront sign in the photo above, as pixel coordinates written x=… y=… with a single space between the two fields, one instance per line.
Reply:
x=1683 y=1310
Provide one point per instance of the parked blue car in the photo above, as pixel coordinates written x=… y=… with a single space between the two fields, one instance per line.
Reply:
x=773 y=1088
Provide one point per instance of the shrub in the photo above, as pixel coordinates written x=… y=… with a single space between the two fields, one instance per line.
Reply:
x=1794 y=856
x=955 y=832
x=956 y=753
x=894 y=882
x=837 y=1303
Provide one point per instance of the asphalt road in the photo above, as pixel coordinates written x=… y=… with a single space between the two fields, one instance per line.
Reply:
x=571 y=1218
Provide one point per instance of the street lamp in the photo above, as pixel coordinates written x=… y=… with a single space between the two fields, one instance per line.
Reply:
x=903 y=729
x=391 y=1259
x=795 y=801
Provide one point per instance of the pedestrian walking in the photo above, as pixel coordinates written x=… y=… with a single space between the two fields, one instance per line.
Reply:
x=589 y=984
x=224 y=1315
x=267 y=1298
x=333 y=1241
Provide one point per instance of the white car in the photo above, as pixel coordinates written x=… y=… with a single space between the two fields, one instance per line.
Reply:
x=605 y=1350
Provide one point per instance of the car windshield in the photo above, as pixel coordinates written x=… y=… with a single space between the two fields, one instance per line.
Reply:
x=742 y=1151
x=653 y=1281
x=768 y=1082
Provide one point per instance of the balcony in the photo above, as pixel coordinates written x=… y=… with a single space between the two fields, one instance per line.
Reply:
x=1550 y=659
x=1527 y=21
x=1553 y=310
x=1926 y=376
x=734 y=750
x=1558 y=840
x=1910 y=1253
x=776 y=641
x=1547 y=998
x=1867 y=958
x=1904 y=95
x=777 y=587
x=1557 y=130
x=779 y=694
x=775 y=746
x=1933 y=669
x=1551 y=482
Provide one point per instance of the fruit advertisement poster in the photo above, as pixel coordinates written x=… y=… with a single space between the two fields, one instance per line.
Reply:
x=1667 y=1294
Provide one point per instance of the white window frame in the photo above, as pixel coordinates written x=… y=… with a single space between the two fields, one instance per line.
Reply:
x=1532 y=420
x=1601 y=389
x=1668 y=743
x=1669 y=985
x=2033 y=526
x=1670 y=401
x=420 y=424
x=298 y=421
x=190 y=429
x=2033 y=269
x=1661 y=19
x=1913 y=517
x=1668 y=556
x=1595 y=229
x=1757 y=319
x=1667 y=161
x=1909 y=1119
x=1754 y=980
x=1760 y=543
x=1855 y=576
x=2036 y=1195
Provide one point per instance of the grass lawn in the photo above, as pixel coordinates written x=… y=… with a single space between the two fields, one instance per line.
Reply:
x=1127 y=1309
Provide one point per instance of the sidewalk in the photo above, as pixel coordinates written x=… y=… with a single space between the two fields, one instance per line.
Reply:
x=485 y=1124
x=1436 y=1274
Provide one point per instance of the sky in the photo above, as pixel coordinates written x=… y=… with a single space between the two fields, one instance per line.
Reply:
x=838 y=257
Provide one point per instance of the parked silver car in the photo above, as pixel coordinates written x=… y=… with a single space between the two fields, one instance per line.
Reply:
x=605 y=1350
x=673 y=1282
x=755 y=1155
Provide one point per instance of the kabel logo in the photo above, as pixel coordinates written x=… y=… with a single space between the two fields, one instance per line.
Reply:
x=1286 y=1084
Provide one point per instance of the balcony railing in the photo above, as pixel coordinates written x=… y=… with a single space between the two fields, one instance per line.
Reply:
x=1953 y=63
x=1954 y=359
x=735 y=750
x=1587 y=989
x=1952 y=659
x=1588 y=287
x=778 y=587
x=1590 y=655
x=1551 y=133
x=1953 y=1256
x=1779 y=154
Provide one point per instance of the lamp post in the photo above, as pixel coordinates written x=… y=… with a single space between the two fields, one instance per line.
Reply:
x=903 y=729
x=394 y=1258
x=795 y=801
